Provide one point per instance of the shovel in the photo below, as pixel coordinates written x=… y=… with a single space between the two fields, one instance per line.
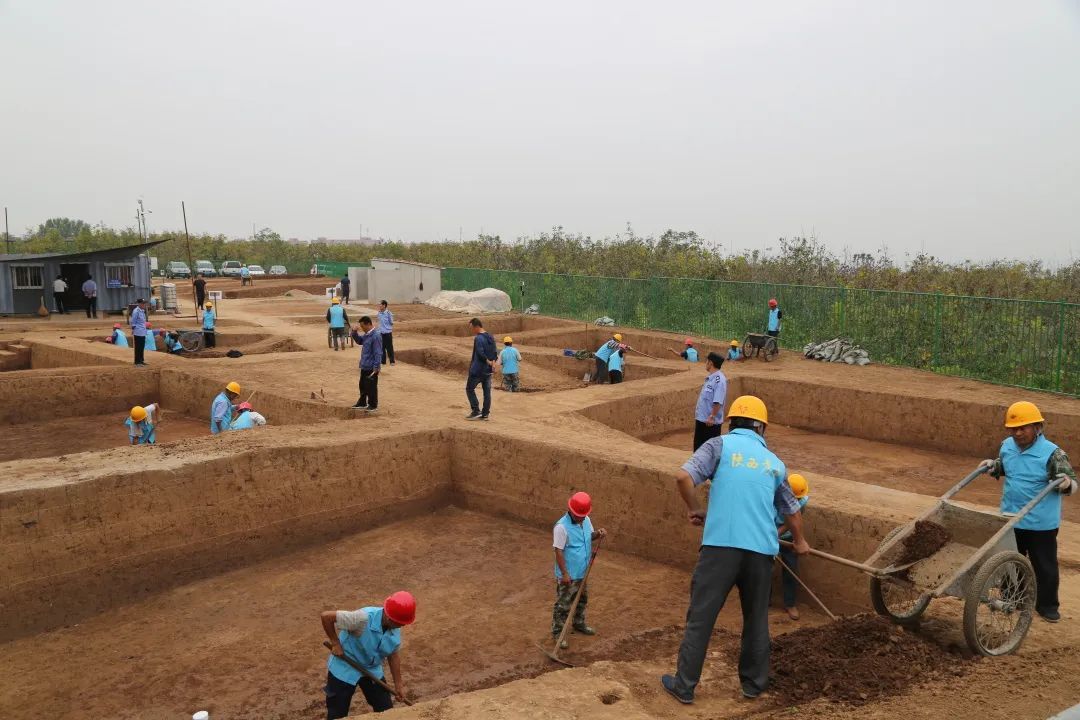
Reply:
x=868 y=569
x=554 y=654
x=356 y=666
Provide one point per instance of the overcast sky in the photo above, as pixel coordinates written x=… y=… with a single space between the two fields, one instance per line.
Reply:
x=951 y=126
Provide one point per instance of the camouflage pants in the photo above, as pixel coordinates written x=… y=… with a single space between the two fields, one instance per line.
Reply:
x=510 y=382
x=564 y=598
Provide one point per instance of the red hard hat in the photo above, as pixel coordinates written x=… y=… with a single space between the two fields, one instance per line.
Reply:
x=772 y=302
x=117 y=326
x=689 y=341
x=400 y=607
x=580 y=504
x=244 y=406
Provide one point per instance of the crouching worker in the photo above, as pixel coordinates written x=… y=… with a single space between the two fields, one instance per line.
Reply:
x=142 y=422
x=572 y=539
x=171 y=341
x=1028 y=462
x=221 y=410
x=734 y=353
x=118 y=338
x=367 y=637
x=801 y=490
x=246 y=418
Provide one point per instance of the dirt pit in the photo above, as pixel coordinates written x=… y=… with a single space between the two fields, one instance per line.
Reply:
x=248 y=643
x=456 y=365
x=87 y=433
x=856 y=660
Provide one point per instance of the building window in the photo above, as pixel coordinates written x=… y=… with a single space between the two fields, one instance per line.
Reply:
x=27 y=277
x=117 y=276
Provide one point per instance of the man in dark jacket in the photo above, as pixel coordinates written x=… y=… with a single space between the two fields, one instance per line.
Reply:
x=480 y=369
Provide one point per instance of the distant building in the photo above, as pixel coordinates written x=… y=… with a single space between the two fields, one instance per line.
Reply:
x=122 y=275
x=347 y=241
x=401 y=281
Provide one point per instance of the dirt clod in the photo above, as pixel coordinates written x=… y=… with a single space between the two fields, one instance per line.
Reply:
x=855 y=660
x=922 y=542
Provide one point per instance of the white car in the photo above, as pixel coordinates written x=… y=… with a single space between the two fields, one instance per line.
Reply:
x=279 y=270
x=230 y=268
x=256 y=270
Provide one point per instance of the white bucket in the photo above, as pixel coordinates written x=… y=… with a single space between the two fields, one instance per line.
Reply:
x=201 y=715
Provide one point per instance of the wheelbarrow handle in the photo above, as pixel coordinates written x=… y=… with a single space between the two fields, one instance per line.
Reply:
x=839 y=560
x=965 y=482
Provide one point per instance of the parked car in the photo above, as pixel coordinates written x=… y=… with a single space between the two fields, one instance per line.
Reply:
x=177 y=269
x=206 y=268
x=279 y=270
x=231 y=268
x=256 y=270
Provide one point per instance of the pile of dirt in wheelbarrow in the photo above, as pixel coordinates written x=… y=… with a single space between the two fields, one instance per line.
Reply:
x=856 y=660
x=922 y=542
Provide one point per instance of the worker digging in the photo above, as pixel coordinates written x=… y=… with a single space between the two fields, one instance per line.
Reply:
x=142 y=423
x=223 y=407
x=572 y=539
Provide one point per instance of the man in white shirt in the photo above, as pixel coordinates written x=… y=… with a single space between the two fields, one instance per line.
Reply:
x=59 y=287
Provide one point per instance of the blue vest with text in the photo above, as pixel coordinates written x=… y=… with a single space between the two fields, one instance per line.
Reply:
x=691 y=354
x=578 y=546
x=774 y=319
x=145 y=427
x=1025 y=476
x=741 y=508
x=615 y=362
x=337 y=316
x=151 y=343
x=605 y=350
x=208 y=320
x=368 y=649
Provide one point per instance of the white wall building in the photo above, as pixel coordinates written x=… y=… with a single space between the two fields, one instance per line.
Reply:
x=402 y=281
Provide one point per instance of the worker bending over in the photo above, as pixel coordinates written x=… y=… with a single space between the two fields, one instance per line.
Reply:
x=208 y=319
x=246 y=418
x=151 y=342
x=572 y=539
x=734 y=353
x=118 y=338
x=603 y=354
x=171 y=340
x=221 y=410
x=801 y=490
x=509 y=362
x=615 y=364
x=142 y=422
x=738 y=544
x=339 y=320
x=367 y=636
x=1028 y=461
x=689 y=353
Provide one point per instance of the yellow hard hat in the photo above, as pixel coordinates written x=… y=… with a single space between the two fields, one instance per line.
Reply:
x=335 y=301
x=138 y=413
x=1022 y=413
x=508 y=339
x=799 y=486
x=208 y=305
x=233 y=387
x=748 y=406
x=617 y=336
x=734 y=343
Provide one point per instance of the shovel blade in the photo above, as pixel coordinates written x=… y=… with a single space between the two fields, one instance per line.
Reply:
x=551 y=655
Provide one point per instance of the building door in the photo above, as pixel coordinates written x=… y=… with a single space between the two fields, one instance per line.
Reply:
x=75 y=275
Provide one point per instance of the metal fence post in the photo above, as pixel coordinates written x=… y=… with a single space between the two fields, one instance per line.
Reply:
x=1058 y=385
x=843 y=311
x=939 y=302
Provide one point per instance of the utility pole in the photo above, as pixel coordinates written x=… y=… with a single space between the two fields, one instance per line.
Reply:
x=187 y=240
x=7 y=235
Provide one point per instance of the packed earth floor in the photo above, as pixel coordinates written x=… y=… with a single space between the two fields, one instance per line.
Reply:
x=151 y=582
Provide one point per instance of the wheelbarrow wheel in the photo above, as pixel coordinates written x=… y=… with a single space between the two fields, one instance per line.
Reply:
x=895 y=601
x=771 y=349
x=191 y=341
x=747 y=347
x=999 y=604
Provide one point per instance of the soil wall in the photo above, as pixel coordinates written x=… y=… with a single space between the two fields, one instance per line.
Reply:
x=590 y=337
x=497 y=325
x=14 y=356
x=72 y=550
x=643 y=416
x=75 y=353
x=28 y=396
x=193 y=394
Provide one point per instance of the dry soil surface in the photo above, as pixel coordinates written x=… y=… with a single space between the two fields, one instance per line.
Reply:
x=68 y=435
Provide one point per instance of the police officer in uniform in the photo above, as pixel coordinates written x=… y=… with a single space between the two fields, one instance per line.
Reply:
x=749 y=488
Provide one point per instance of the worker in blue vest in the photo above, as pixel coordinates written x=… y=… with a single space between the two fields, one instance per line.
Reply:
x=734 y=353
x=615 y=364
x=772 y=326
x=118 y=338
x=221 y=410
x=800 y=488
x=573 y=536
x=739 y=542
x=689 y=353
x=246 y=418
x=510 y=364
x=368 y=637
x=602 y=355
x=339 y=320
x=151 y=342
x=1028 y=461
x=142 y=422
x=208 y=325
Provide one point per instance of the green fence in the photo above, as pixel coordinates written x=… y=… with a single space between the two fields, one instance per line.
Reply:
x=1026 y=343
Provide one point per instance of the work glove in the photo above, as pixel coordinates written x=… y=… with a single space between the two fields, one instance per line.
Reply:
x=987 y=464
x=1065 y=484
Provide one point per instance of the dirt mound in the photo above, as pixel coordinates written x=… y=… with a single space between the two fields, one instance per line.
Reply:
x=855 y=660
x=925 y=540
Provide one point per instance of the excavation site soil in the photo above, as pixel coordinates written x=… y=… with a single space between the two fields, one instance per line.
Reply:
x=153 y=582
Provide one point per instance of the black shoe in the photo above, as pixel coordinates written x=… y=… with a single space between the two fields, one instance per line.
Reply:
x=1050 y=616
x=483 y=417
x=475 y=416
x=668 y=681
x=358 y=406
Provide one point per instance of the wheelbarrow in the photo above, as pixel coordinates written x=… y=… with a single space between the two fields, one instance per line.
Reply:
x=764 y=346
x=979 y=565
